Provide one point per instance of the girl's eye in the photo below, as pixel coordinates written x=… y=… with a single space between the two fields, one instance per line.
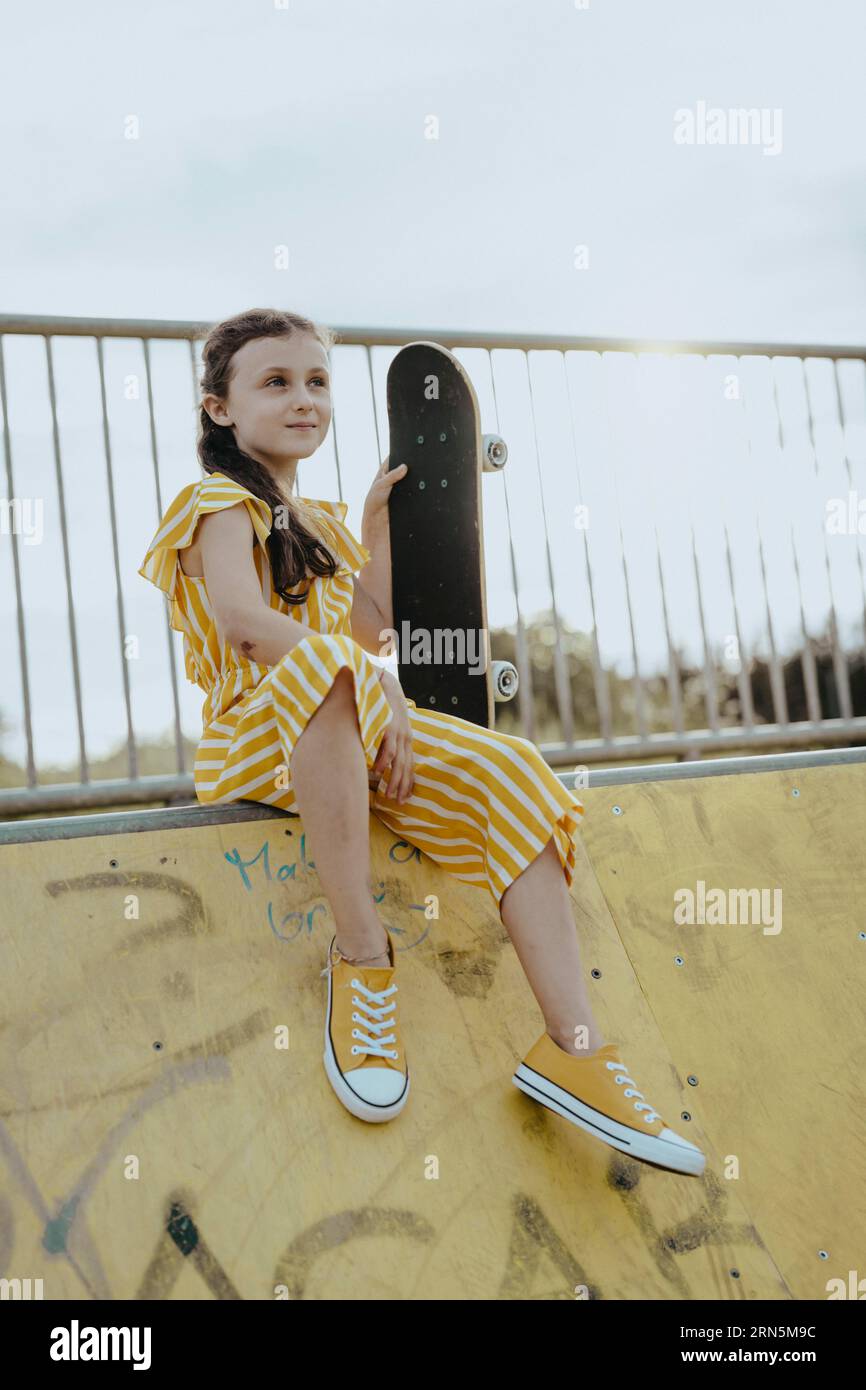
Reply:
x=281 y=380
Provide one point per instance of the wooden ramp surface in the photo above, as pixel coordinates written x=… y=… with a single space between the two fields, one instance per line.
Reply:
x=157 y=1140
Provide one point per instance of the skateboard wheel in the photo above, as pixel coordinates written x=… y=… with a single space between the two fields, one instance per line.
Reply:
x=505 y=680
x=494 y=452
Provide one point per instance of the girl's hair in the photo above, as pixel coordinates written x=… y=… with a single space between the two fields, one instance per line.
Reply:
x=298 y=548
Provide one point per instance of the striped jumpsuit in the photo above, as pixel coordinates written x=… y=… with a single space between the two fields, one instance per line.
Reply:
x=484 y=804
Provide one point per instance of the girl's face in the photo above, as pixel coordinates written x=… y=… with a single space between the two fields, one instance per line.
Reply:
x=277 y=384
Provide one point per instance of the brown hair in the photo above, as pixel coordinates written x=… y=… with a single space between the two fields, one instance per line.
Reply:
x=299 y=547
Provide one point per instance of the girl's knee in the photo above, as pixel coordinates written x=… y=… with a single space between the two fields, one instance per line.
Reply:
x=320 y=644
x=338 y=704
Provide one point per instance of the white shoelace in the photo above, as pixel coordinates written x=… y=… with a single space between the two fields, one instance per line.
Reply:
x=621 y=1080
x=380 y=1016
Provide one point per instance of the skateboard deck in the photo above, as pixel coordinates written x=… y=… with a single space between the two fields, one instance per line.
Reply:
x=437 y=542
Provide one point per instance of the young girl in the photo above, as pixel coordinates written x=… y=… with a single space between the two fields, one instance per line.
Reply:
x=277 y=633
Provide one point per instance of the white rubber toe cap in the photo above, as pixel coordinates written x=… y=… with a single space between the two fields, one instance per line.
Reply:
x=696 y=1158
x=673 y=1138
x=376 y=1085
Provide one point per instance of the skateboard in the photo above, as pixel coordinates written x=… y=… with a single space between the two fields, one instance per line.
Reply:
x=437 y=542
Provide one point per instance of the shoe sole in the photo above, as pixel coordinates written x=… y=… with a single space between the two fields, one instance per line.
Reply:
x=649 y=1147
x=362 y=1109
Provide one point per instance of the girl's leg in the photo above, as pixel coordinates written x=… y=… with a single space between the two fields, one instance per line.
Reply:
x=536 y=912
x=329 y=778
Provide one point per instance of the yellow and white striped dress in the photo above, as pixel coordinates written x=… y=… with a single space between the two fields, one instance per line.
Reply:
x=484 y=804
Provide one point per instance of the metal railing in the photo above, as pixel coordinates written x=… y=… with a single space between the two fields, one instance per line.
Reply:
x=134 y=822
x=624 y=414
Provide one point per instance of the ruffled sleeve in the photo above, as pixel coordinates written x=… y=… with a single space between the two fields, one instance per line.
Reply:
x=177 y=528
x=352 y=554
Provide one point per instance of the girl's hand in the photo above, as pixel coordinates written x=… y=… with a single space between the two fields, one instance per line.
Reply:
x=376 y=503
x=396 y=747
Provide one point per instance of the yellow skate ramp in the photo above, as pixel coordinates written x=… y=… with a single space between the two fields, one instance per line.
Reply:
x=168 y=1130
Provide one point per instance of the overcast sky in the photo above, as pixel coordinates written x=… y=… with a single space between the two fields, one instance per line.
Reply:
x=305 y=126
x=308 y=126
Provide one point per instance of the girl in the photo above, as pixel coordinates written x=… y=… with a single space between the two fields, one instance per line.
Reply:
x=276 y=632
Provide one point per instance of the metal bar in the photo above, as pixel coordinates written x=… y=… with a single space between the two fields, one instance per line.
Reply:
x=76 y=326
x=840 y=406
x=16 y=571
x=673 y=677
x=711 y=695
x=840 y=665
x=525 y=697
x=777 y=675
x=112 y=510
x=637 y=680
x=673 y=673
x=810 y=673
x=21 y=801
x=525 y=693
x=599 y=675
x=777 y=678
x=188 y=817
x=697 y=741
x=369 y=357
x=353 y=335
x=136 y=822
x=716 y=411
x=711 y=689
x=560 y=675
x=744 y=684
x=196 y=388
x=67 y=796
x=335 y=427
x=70 y=601
x=720 y=767
x=178 y=737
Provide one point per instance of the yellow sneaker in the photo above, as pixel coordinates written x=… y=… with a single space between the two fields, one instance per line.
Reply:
x=597 y=1094
x=364 y=1057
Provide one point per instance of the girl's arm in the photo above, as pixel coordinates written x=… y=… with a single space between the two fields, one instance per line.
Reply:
x=376 y=584
x=376 y=536
x=243 y=618
x=366 y=620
